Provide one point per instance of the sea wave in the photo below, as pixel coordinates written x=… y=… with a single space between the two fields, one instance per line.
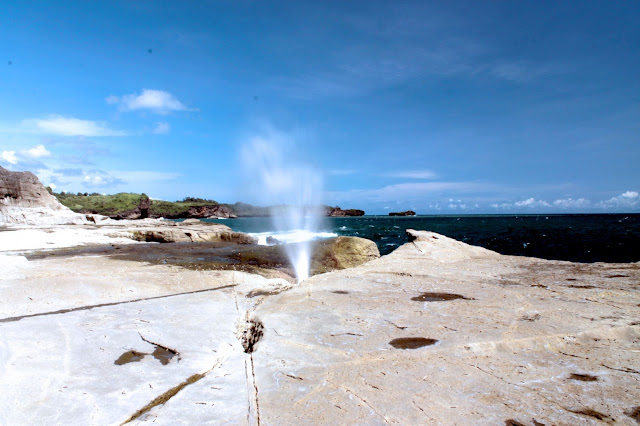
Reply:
x=293 y=236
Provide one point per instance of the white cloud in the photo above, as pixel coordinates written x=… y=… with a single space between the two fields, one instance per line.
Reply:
x=532 y=202
x=69 y=126
x=408 y=191
x=413 y=174
x=626 y=200
x=38 y=151
x=9 y=157
x=162 y=128
x=158 y=101
x=145 y=176
x=570 y=203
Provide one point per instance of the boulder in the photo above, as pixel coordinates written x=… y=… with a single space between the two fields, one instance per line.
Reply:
x=342 y=253
x=192 y=233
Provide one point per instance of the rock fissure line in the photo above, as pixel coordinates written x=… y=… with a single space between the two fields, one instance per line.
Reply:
x=174 y=351
x=349 y=391
x=102 y=305
x=166 y=396
x=255 y=388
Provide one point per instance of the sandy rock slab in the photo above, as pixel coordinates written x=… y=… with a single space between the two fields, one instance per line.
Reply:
x=438 y=332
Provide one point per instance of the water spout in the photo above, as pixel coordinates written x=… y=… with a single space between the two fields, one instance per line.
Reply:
x=293 y=189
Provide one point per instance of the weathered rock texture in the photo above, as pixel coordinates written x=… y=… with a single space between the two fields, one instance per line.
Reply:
x=23 y=189
x=216 y=211
x=342 y=253
x=438 y=332
x=338 y=212
x=24 y=200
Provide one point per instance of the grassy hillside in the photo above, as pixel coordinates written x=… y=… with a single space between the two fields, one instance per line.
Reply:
x=119 y=204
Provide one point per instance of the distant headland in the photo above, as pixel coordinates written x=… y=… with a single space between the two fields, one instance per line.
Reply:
x=139 y=206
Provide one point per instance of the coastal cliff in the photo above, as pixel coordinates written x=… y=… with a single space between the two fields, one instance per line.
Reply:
x=24 y=200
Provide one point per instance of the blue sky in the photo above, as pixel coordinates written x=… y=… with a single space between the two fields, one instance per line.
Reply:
x=439 y=107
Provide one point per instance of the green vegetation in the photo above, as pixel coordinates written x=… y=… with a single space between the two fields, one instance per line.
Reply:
x=119 y=205
x=128 y=205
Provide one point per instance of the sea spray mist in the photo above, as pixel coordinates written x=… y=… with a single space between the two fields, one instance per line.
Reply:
x=292 y=188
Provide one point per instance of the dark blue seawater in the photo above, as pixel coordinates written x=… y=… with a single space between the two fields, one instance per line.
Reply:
x=577 y=238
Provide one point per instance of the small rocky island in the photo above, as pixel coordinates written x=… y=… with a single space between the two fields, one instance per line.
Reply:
x=338 y=212
x=437 y=332
x=407 y=213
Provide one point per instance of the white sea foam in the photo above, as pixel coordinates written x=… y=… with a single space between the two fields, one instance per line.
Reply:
x=293 y=236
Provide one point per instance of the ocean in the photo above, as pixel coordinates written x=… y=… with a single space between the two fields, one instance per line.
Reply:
x=574 y=237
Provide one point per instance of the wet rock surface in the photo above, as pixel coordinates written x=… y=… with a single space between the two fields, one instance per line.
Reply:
x=523 y=345
x=268 y=261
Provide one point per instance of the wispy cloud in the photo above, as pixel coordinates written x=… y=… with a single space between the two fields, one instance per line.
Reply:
x=408 y=191
x=68 y=126
x=573 y=204
x=157 y=101
x=75 y=179
x=38 y=151
x=341 y=172
x=162 y=128
x=401 y=49
x=413 y=174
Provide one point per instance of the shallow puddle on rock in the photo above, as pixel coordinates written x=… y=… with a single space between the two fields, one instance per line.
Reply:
x=437 y=297
x=412 y=342
x=129 y=356
x=163 y=355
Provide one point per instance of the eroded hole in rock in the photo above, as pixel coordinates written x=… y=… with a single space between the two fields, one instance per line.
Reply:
x=438 y=297
x=618 y=276
x=163 y=355
x=512 y=422
x=582 y=286
x=412 y=342
x=251 y=334
x=571 y=279
x=129 y=356
x=340 y=292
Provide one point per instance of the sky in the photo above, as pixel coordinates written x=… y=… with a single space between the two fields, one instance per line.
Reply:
x=456 y=107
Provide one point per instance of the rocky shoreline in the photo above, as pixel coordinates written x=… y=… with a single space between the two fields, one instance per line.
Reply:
x=197 y=324
x=436 y=332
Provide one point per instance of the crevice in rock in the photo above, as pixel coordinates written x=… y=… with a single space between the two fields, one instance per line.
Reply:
x=166 y=396
x=162 y=353
x=102 y=305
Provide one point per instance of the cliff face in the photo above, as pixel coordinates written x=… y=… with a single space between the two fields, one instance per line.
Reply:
x=24 y=200
x=23 y=189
